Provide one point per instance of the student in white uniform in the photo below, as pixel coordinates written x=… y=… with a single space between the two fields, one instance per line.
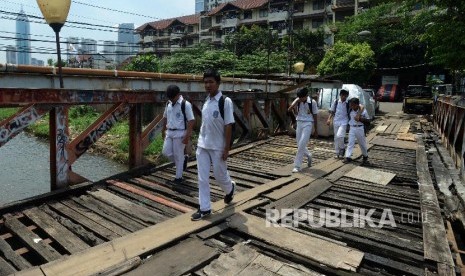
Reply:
x=177 y=129
x=357 y=130
x=339 y=115
x=306 y=117
x=214 y=144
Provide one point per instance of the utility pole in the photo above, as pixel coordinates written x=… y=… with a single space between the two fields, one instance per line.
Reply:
x=290 y=30
x=268 y=48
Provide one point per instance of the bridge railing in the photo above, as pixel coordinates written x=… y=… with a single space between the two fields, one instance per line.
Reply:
x=449 y=119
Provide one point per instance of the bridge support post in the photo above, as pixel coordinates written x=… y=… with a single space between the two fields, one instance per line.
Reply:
x=135 y=136
x=59 y=139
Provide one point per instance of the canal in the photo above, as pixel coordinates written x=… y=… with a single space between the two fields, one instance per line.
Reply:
x=24 y=168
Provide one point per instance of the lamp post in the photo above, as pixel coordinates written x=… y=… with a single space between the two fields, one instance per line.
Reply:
x=55 y=13
x=299 y=68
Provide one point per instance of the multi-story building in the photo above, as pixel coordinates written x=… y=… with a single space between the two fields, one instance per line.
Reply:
x=282 y=16
x=88 y=46
x=37 y=62
x=165 y=36
x=11 y=54
x=23 y=39
x=109 y=49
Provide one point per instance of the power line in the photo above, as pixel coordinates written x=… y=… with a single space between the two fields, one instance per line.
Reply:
x=128 y=45
x=114 y=10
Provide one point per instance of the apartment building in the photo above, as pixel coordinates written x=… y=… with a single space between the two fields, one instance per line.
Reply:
x=281 y=16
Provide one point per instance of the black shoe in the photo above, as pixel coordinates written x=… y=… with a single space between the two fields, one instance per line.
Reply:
x=229 y=197
x=365 y=160
x=200 y=214
x=184 y=166
x=347 y=160
x=178 y=180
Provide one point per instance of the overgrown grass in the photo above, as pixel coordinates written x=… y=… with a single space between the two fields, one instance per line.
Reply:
x=7 y=112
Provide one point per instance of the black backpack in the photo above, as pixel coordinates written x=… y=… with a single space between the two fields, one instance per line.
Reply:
x=221 y=107
x=310 y=106
x=347 y=107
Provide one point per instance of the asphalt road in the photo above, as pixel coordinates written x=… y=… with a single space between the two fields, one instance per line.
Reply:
x=391 y=108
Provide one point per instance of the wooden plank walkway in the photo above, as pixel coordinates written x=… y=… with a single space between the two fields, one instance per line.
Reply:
x=109 y=226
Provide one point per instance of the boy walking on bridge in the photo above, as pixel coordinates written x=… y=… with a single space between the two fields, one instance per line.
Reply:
x=306 y=117
x=357 y=117
x=339 y=114
x=214 y=143
x=177 y=129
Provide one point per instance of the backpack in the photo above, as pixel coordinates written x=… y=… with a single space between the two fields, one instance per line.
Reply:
x=310 y=106
x=347 y=107
x=233 y=129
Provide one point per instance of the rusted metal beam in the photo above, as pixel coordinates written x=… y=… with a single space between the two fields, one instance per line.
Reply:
x=135 y=135
x=59 y=152
x=152 y=131
x=103 y=124
x=260 y=114
x=12 y=126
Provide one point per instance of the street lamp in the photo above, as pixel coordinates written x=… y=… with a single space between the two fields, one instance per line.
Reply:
x=55 y=13
x=299 y=68
x=364 y=33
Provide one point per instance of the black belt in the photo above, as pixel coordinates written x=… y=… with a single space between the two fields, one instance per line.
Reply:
x=175 y=129
x=356 y=125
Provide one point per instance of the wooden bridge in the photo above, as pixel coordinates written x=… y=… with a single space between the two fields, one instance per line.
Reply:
x=138 y=223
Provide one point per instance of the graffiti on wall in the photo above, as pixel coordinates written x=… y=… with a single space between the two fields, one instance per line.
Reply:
x=18 y=123
x=61 y=142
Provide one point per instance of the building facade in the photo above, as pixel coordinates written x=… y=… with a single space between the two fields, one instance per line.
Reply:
x=11 y=54
x=23 y=39
x=222 y=18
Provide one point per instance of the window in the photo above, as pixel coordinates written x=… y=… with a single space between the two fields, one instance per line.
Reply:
x=299 y=7
x=190 y=29
x=318 y=4
x=219 y=18
x=247 y=14
x=161 y=33
x=298 y=25
x=219 y=34
x=263 y=13
x=316 y=23
x=190 y=41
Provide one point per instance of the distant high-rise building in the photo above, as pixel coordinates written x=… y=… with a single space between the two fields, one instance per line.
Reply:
x=72 y=47
x=11 y=54
x=109 y=49
x=88 y=46
x=37 y=62
x=23 y=39
x=126 y=42
x=200 y=5
x=211 y=4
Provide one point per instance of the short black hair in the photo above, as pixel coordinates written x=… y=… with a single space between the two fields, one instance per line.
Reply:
x=302 y=92
x=344 y=92
x=212 y=73
x=172 y=91
x=355 y=100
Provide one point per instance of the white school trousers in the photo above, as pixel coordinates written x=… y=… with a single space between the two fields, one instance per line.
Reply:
x=205 y=159
x=173 y=149
x=359 y=134
x=303 y=131
x=339 y=134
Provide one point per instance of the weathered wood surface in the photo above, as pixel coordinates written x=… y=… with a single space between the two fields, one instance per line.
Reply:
x=371 y=175
x=6 y=268
x=10 y=255
x=334 y=255
x=394 y=143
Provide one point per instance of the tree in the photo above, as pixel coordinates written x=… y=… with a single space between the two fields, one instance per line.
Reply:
x=352 y=63
x=143 y=63
x=257 y=63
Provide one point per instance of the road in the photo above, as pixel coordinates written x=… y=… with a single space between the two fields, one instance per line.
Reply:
x=391 y=108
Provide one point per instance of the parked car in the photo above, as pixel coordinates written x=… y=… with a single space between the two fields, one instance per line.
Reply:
x=327 y=97
x=389 y=93
x=372 y=94
x=418 y=99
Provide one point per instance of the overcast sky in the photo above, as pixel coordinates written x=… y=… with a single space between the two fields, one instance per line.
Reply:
x=156 y=9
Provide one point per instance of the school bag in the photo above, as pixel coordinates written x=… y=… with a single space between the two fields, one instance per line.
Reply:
x=233 y=129
x=310 y=105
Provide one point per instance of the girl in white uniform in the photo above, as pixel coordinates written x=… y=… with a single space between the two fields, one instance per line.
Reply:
x=307 y=111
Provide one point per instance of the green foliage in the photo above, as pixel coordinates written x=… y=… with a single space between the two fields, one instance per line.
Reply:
x=7 y=112
x=257 y=62
x=143 y=63
x=352 y=63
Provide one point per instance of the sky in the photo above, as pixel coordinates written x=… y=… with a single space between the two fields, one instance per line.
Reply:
x=152 y=9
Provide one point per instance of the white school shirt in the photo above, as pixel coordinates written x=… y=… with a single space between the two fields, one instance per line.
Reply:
x=175 y=119
x=304 y=111
x=340 y=116
x=353 y=113
x=212 y=130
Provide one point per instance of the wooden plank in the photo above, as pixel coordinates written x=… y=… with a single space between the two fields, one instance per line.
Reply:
x=394 y=143
x=333 y=255
x=406 y=137
x=35 y=271
x=6 y=268
x=442 y=175
x=286 y=190
x=337 y=174
x=120 y=231
x=232 y=263
x=212 y=231
x=33 y=241
x=58 y=232
x=84 y=221
x=435 y=243
x=10 y=255
x=371 y=175
x=300 y=197
x=404 y=127
x=381 y=129
x=122 y=268
x=181 y=259
x=127 y=206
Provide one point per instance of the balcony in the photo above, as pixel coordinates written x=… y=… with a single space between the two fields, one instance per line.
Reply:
x=148 y=38
x=233 y=22
x=177 y=35
x=277 y=16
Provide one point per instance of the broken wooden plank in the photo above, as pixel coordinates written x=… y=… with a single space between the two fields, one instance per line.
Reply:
x=181 y=259
x=33 y=241
x=10 y=255
x=58 y=232
x=371 y=175
x=212 y=231
x=442 y=175
x=435 y=242
x=127 y=206
x=406 y=137
x=6 y=268
x=232 y=263
x=381 y=141
x=123 y=267
x=381 y=129
x=334 y=255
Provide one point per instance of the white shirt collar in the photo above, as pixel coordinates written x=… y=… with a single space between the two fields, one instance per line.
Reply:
x=217 y=96
x=178 y=101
